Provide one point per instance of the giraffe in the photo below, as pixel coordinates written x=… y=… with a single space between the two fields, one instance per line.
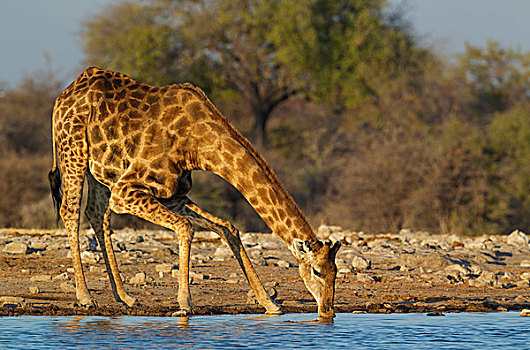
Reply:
x=136 y=146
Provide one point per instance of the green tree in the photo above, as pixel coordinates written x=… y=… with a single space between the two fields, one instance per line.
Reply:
x=509 y=148
x=132 y=38
x=496 y=77
x=264 y=50
x=342 y=47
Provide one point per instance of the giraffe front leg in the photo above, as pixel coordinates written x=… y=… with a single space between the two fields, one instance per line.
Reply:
x=185 y=236
x=231 y=235
x=261 y=295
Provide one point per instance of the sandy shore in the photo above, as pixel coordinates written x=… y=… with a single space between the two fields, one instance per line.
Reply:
x=381 y=273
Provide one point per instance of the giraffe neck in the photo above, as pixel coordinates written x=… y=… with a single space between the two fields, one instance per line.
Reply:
x=245 y=169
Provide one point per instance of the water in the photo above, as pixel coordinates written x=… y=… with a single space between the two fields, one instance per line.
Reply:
x=348 y=331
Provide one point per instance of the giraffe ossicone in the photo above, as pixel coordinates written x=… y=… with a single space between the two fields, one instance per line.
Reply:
x=136 y=145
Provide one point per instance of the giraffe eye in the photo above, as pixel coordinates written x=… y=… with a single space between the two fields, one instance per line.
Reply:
x=316 y=272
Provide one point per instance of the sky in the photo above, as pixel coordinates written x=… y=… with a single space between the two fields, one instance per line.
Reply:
x=37 y=33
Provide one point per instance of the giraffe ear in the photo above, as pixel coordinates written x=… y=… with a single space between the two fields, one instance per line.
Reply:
x=334 y=249
x=299 y=248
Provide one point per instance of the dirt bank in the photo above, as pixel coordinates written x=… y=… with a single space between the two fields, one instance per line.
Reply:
x=406 y=272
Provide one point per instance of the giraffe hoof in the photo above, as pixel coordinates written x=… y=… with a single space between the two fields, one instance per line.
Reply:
x=131 y=302
x=88 y=302
x=274 y=312
x=182 y=313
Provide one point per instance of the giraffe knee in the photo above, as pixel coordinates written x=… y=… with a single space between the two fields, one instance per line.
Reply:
x=184 y=230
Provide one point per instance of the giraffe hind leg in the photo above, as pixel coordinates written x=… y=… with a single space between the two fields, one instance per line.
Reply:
x=97 y=204
x=73 y=174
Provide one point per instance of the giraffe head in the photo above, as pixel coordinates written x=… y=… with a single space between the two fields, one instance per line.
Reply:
x=316 y=261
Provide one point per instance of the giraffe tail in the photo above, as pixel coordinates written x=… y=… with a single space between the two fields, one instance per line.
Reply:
x=54 y=177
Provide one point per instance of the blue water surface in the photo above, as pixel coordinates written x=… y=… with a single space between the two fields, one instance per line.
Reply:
x=348 y=331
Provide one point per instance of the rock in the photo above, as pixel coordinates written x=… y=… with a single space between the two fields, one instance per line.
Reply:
x=360 y=263
x=175 y=273
x=62 y=276
x=487 y=278
x=139 y=278
x=525 y=313
x=474 y=245
x=222 y=253
x=67 y=287
x=464 y=271
x=324 y=231
x=8 y=301
x=199 y=276
x=525 y=263
x=260 y=261
x=206 y=235
x=364 y=277
x=96 y=269
x=121 y=246
x=435 y=313
x=271 y=283
x=164 y=236
x=16 y=248
x=344 y=271
x=41 y=278
x=337 y=237
x=88 y=257
x=432 y=261
x=475 y=270
x=525 y=276
x=283 y=263
x=517 y=238
x=164 y=268
x=522 y=283
x=34 y=290
x=251 y=299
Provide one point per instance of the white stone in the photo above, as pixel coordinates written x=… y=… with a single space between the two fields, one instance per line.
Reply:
x=62 y=276
x=283 y=263
x=41 y=278
x=364 y=277
x=207 y=235
x=525 y=263
x=324 y=231
x=344 y=271
x=67 y=287
x=96 y=269
x=139 y=278
x=16 y=248
x=89 y=257
x=361 y=263
x=11 y=301
x=164 y=268
x=222 y=252
x=517 y=238
x=459 y=268
x=34 y=290
x=525 y=276
x=525 y=313
x=199 y=276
